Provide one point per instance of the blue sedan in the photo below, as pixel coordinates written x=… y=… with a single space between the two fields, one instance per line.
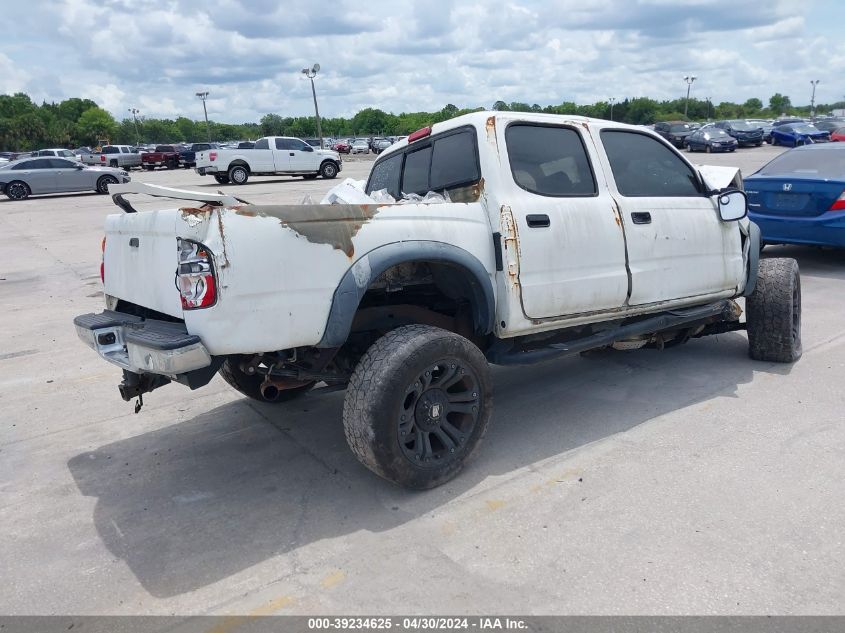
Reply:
x=795 y=134
x=799 y=197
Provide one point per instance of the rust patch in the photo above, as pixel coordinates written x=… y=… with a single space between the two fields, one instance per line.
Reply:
x=222 y=238
x=490 y=126
x=332 y=224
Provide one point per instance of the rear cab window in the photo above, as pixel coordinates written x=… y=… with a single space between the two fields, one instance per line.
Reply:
x=262 y=144
x=442 y=162
x=549 y=160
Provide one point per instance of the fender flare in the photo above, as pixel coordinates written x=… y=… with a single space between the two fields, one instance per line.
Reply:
x=356 y=281
x=753 y=258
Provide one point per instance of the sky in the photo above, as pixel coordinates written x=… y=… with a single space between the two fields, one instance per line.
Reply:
x=414 y=56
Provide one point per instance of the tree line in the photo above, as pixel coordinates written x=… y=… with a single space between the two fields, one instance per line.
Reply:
x=76 y=122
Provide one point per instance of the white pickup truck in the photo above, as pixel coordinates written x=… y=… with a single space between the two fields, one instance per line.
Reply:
x=563 y=234
x=272 y=155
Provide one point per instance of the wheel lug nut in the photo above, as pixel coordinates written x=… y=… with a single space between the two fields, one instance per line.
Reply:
x=474 y=395
x=451 y=450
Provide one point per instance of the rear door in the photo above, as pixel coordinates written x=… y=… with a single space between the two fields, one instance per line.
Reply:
x=677 y=245
x=571 y=242
x=38 y=174
x=263 y=159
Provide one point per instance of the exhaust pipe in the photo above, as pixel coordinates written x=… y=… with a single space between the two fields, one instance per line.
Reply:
x=269 y=391
x=272 y=389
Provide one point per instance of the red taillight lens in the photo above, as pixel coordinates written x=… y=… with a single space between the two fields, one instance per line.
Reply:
x=103 y=260
x=422 y=133
x=102 y=158
x=195 y=275
x=212 y=156
x=839 y=204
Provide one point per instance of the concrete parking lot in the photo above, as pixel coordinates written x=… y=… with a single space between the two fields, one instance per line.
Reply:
x=692 y=480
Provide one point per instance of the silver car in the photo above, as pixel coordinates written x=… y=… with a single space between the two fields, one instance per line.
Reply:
x=22 y=178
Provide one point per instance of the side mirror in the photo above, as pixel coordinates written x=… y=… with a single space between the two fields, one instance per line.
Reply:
x=732 y=205
x=307 y=148
x=80 y=166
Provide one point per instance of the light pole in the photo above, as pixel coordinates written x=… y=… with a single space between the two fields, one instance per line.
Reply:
x=311 y=73
x=134 y=112
x=204 y=96
x=708 y=108
x=815 y=83
x=689 y=79
x=612 y=101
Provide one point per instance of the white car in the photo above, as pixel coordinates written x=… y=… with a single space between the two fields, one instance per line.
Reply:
x=562 y=234
x=272 y=155
x=360 y=146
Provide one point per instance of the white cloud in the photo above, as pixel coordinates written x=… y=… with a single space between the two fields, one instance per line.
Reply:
x=412 y=56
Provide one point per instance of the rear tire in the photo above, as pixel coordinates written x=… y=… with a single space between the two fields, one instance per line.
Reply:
x=417 y=405
x=103 y=183
x=18 y=190
x=708 y=149
x=222 y=179
x=250 y=386
x=149 y=167
x=172 y=164
x=238 y=175
x=113 y=163
x=774 y=312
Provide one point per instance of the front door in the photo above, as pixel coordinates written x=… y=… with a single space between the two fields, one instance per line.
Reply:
x=571 y=242
x=677 y=245
x=69 y=177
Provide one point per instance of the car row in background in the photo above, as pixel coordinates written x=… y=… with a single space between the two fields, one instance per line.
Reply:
x=790 y=132
x=53 y=174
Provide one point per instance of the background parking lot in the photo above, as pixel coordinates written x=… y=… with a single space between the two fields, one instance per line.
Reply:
x=692 y=480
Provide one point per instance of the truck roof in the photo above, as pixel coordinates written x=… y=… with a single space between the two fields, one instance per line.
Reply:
x=488 y=118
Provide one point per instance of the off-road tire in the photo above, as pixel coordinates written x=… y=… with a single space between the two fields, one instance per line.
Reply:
x=103 y=183
x=238 y=175
x=773 y=312
x=328 y=170
x=223 y=180
x=250 y=385
x=415 y=361
x=18 y=190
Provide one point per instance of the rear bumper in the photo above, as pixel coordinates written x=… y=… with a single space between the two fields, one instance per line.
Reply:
x=207 y=170
x=142 y=345
x=827 y=229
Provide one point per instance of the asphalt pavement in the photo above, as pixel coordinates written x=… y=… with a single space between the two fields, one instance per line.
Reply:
x=688 y=481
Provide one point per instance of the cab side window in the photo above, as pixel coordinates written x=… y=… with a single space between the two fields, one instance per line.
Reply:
x=262 y=144
x=386 y=176
x=645 y=167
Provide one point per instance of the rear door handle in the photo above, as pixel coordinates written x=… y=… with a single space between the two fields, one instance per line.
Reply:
x=291 y=154
x=538 y=221
x=641 y=217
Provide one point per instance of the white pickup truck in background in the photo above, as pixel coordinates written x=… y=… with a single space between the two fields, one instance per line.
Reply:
x=558 y=235
x=271 y=156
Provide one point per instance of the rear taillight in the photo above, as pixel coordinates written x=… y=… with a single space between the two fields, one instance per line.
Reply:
x=212 y=156
x=195 y=275
x=103 y=260
x=839 y=204
x=102 y=158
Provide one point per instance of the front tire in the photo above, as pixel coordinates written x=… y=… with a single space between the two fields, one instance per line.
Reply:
x=238 y=175
x=417 y=405
x=18 y=190
x=103 y=183
x=250 y=386
x=328 y=170
x=774 y=312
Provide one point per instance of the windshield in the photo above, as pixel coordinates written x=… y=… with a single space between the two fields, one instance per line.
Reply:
x=813 y=163
x=681 y=127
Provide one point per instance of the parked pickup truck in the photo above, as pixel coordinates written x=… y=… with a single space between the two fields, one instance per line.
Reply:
x=122 y=156
x=272 y=155
x=163 y=156
x=564 y=234
x=188 y=155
